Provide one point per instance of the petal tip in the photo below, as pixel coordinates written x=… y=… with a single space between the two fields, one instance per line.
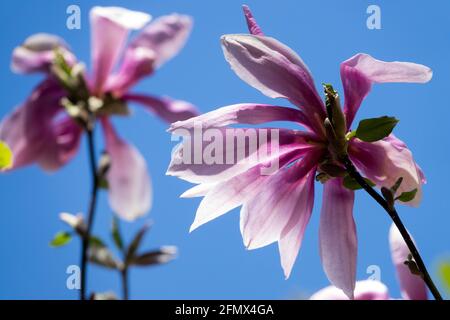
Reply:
x=194 y=227
x=126 y=18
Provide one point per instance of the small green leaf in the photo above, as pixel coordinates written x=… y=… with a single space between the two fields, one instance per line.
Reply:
x=397 y=184
x=103 y=183
x=352 y=184
x=61 y=62
x=6 y=156
x=371 y=130
x=134 y=245
x=96 y=241
x=407 y=196
x=444 y=270
x=117 y=237
x=61 y=239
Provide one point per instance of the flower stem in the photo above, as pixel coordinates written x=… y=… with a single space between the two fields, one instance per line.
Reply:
x=91 y=211
x=353 y=172
x=125 y=284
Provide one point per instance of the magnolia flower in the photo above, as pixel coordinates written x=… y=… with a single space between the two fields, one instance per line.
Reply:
x=412 y=286
x=40 y=131
x=277 y=207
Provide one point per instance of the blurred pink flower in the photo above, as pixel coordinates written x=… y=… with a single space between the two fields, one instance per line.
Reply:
x=412 y=286
x=277 y=208
x=39 y=131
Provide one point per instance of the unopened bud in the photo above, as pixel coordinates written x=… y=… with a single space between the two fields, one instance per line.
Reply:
x=334 y=110
x=104 y=164
x=76 y=222
x=412 y=266
x=388 y=196
x=397 y=184
x=337 y=145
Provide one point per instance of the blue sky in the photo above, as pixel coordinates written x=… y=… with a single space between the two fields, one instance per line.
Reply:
x=213 y=262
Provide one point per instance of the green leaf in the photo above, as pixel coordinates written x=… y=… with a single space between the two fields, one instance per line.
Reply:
x=397 y=184
x=444 y=270
x=352 y=184
x=407 y=196
x=117 y=237
x=134 y=245
x=61 y=62
x=103 y=183
x=371 y=130
x=96 y=241
x=61 y=239
x=6 y=156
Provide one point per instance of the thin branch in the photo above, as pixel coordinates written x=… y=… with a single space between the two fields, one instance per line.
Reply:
x=125 y=283
x=91 y=211
x=353 y=172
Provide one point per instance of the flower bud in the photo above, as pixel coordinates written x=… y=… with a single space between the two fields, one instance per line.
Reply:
x=334 y=110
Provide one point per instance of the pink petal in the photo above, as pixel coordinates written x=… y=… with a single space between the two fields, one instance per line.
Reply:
x=385 y=161
x=244 y=113
x=227 y=195
x=275 y=70
x=360 y=71
x=199 y=190
x=188 y=161
x=166 y=36
x=37 y=53
x=281 y=208
x=253 y=26
x=138 y=63
x=292 y=234
x=364 y=290
x=63 y=146
x=337 y=233
x=110 y=28
x=34 y=133
x=166 y=108
x=128 y=178
x=12 y=131
x=412 y=286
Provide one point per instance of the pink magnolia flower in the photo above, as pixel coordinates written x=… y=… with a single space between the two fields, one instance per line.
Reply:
x=277 y=207
x=40 y=131
x=412 y=286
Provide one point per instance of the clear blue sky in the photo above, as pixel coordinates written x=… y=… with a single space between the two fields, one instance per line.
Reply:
x=213 y=262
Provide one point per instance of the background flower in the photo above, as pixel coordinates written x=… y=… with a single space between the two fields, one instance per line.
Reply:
x=40 y=131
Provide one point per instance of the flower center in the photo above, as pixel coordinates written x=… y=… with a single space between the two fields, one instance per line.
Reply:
x=79 y=103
